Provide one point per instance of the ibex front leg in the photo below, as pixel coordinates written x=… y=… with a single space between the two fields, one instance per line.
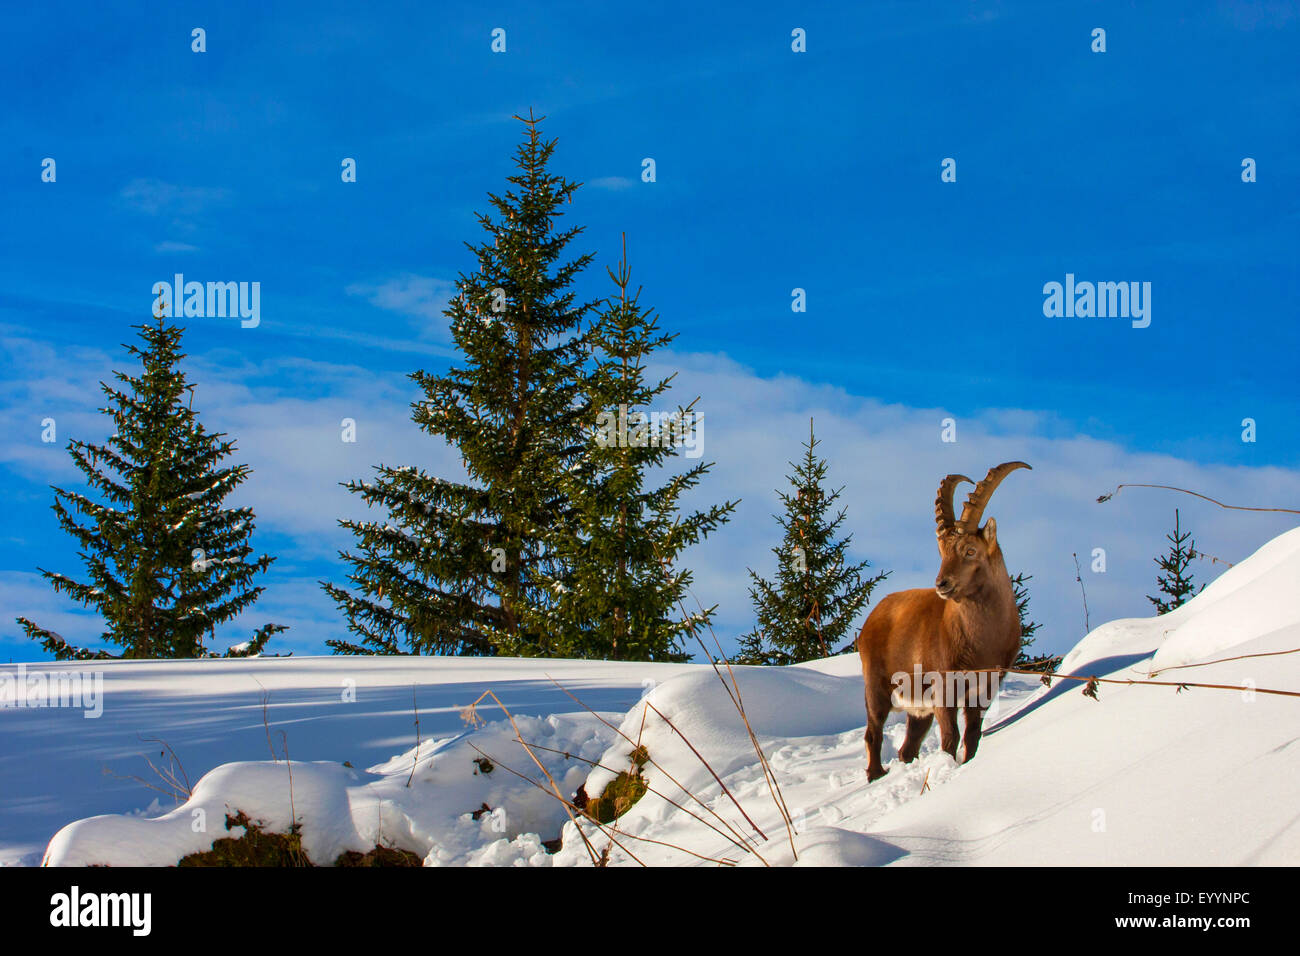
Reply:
x=917 y=727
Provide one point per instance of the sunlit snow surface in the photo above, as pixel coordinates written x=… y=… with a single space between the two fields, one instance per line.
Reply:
x=1145 y=775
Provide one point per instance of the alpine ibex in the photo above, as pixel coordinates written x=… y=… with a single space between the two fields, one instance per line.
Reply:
x=967 y=622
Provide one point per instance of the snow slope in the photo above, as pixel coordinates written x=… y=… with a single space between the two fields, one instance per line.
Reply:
x=1145 y=775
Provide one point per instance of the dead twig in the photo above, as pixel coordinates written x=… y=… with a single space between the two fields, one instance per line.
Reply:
x=1223 y=660
x=175 y=765
x=1195 y=494
x=173 y=785
x=1078 y=576
x=1092 y=681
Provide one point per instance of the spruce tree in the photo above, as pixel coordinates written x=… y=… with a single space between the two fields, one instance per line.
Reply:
x=165 y=562
x=622 y=597
x=815 y=597
x=1028 y=626
x=1175 y=585
x=463 y=566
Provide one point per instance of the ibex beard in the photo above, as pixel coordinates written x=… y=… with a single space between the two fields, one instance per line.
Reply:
x=966 y=627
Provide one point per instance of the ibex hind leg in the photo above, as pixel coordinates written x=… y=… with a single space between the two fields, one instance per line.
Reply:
x=918 y=725
x=974 y=717
x=948 y=730
x=878 y=707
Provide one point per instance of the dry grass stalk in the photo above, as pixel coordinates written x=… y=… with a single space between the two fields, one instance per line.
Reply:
x=773 y=785
x=609 y=831
x=574 y=812
x=671 y=779
x=416 y=759
x=470 y=714
x=293 y=813
x=658 y=793
x=733 y=691
x=173 y=785
x=266 y=721
x=757 y=829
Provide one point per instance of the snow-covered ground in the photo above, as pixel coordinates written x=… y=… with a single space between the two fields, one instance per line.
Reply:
x=355 y=709
x=1145 y=775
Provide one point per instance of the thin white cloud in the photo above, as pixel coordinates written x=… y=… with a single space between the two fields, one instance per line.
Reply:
x=616 y=183
x=423 y=298
x=154 y=197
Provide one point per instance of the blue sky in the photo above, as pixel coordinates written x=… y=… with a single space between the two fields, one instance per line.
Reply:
x=775 y=170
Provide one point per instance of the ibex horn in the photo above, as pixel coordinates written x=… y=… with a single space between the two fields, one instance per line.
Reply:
x=943 y=513
x=973 y=511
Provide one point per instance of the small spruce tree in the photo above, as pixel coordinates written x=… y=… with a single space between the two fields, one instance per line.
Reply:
x=816 y=596
x=166 y=563
x=623 y=598
x=1175 y=584
x=1027 y=625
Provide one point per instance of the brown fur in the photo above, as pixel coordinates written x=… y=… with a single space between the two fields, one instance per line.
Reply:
x=966 y=622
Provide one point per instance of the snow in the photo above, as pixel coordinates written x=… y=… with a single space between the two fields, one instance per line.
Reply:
x=343 y=809
x=1266 y=584
x=354 y=709
x=1144 y=775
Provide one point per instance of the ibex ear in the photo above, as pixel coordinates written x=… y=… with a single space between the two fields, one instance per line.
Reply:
x=990 y=533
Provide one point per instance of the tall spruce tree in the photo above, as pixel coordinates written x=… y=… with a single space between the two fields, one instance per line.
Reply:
x=623 y=597
x=464 y=567
x=816 y=596
x=1175 y=584
x=166 y=562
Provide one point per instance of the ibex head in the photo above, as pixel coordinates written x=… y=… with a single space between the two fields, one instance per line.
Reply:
x=970 y=559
